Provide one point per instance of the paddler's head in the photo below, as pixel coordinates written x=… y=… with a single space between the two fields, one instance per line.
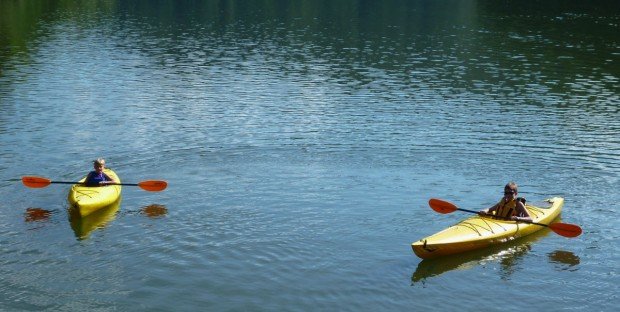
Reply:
x=510 y=191
x=99 y=164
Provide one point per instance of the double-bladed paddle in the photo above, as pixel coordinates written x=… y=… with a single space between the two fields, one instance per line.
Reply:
x=563 y=229
x=148 y=185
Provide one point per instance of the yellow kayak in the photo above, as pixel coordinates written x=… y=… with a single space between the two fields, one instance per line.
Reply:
x=483 y=231
x=87 y=199
x=84 y=226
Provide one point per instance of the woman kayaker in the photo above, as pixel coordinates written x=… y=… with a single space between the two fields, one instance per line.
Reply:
x=98 y=177
x=509 y=207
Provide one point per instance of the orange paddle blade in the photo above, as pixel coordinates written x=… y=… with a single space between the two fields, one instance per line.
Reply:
x=442 y=206
x=153 y=185
x=35 y=182
x=565 y=229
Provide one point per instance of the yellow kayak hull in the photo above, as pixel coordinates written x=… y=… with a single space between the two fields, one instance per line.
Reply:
x=88 y=199
x=480 y=232
x=84 y=226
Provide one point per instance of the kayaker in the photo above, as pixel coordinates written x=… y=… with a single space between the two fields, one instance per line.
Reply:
x=98 y=177
x=509 y=207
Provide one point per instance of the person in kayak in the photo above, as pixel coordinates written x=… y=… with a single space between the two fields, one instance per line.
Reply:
x=509 y=207
x=98 y=177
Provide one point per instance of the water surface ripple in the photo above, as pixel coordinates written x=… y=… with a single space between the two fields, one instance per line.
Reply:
x=301 y=142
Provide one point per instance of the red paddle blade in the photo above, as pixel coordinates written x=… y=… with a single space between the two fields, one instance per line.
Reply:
x=35 y=182
x=442 y=206
x=153 y=185
x=565 y=229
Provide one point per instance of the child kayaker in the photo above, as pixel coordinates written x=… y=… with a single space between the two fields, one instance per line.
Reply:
x=509 y=207
x=98 y=177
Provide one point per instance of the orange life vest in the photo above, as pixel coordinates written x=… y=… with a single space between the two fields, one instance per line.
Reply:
x=506 y=209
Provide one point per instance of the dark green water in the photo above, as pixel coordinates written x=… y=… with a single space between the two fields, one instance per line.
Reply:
x=301 y=141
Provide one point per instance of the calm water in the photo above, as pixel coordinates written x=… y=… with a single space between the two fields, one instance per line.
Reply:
x=301 y=141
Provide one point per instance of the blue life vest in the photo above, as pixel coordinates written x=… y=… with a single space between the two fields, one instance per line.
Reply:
x=94 y=178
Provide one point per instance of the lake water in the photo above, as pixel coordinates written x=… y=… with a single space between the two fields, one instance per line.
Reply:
x=301 y=141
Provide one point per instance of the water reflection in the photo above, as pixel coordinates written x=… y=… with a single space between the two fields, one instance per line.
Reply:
x=510 y=259
x=37 y=215
x=564 y=260
x=508 y=255
x=84 y=226
x=154 y=211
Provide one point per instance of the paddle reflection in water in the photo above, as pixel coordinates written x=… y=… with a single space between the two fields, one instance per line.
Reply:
x=508 y=255
x=84 y=226
x=37 y=215
x=154 y=211
x=564 y=260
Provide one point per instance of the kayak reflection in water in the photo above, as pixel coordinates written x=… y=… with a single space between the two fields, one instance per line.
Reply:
x=508 y=256
x=98 y=177
x=508 y=260
x=509 y=207
x=83 y=226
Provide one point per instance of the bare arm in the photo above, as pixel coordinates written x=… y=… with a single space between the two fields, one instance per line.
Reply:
x=108 y=180
x=488 y=210
x=522 y=214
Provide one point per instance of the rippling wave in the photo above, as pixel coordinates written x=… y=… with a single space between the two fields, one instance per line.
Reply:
x=301 y=142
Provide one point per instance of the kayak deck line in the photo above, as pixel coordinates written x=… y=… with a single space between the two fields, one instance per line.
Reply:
x=477 y=227
x=427 y=248
x=87 y=192
x=535 y=213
